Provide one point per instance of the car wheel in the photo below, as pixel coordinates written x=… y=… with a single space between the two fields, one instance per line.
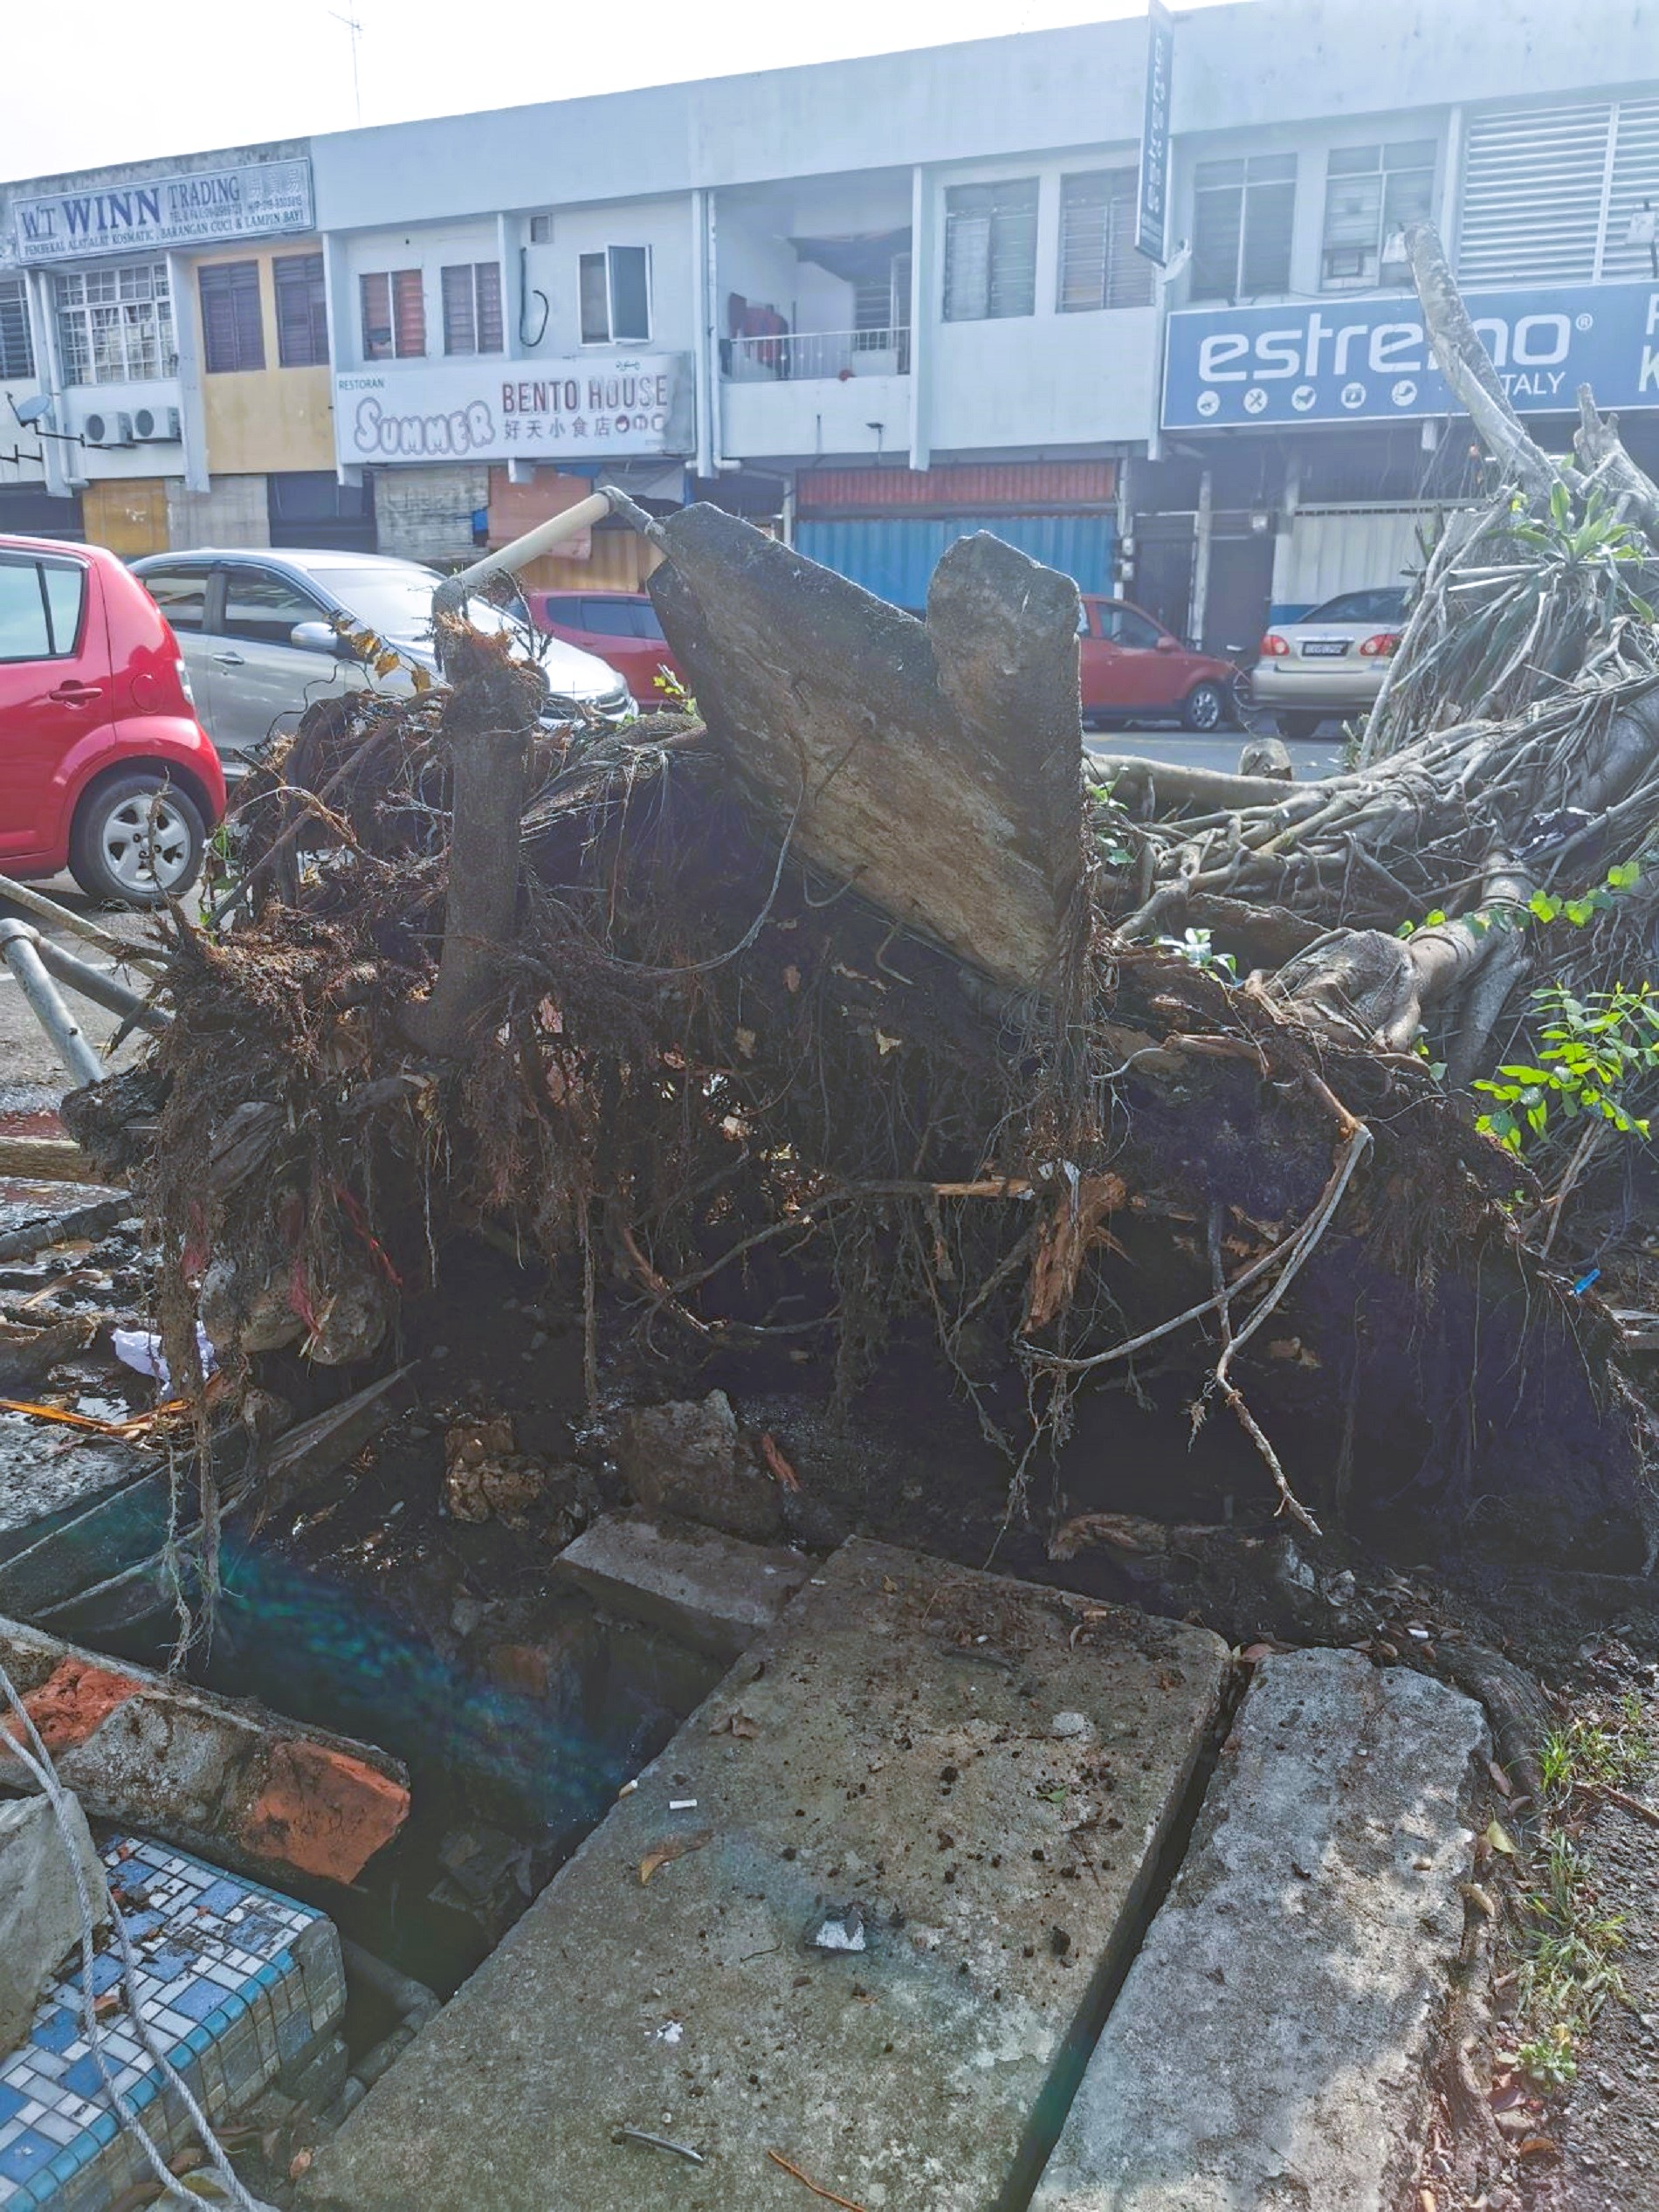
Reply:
x=137 y=839
x=1205 y=707
x=1294 y=725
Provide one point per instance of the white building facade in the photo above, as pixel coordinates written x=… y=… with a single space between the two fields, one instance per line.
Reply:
x=873 y=303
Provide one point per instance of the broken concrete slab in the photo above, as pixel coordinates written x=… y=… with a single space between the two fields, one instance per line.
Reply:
x=222 y=1777
x=706 y=1589
x=40 y=1917
x=689 y=1459
x=1268 y=2051
x=888 y=1752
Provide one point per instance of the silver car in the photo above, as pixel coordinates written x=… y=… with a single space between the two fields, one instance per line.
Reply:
x=259 y=636
x=1331 y=662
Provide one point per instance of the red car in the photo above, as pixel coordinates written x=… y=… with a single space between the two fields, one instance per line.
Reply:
x=1132 y=669
x=619 y=627
x=104 y=769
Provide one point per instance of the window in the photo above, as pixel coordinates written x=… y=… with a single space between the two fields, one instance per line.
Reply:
x=302 y=311
x=17 y=349
x=262 y=606
x=181 y=594
x=1388 y=604
x=614 y=296
x=472 y=307
x=541 y=230
x=394 y=315
x=990 y=249
x=40 y=605
x=622 y=618
x=1100 y=266
x=232 y=324
x=115 y=326
x=1371 y=193
x=1242 y=215
x=1124 y=626
x=1548 y=193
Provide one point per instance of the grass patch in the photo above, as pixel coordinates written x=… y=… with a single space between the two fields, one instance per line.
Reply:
x=1570 y=1943
x=1570 y=1969
x=1593 y=1752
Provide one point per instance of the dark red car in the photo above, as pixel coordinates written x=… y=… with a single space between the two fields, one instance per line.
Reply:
x=619 y=627
x=104 y=769
x=1131 y=669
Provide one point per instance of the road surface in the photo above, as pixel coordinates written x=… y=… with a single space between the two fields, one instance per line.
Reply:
x=30 y=1073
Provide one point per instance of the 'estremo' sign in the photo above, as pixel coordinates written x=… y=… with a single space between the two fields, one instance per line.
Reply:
x=1368 y=360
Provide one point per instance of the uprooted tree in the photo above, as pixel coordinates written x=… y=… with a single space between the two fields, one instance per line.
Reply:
x=836 y=1016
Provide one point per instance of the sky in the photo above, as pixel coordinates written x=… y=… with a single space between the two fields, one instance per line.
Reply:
x=202 y=73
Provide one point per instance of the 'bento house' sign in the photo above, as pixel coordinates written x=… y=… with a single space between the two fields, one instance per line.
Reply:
x=193 y=208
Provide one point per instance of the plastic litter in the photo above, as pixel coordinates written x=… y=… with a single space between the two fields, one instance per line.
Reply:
x=842 y=1931
x=140 y=1349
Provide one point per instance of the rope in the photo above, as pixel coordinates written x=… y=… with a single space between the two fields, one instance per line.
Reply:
x=38 y=1760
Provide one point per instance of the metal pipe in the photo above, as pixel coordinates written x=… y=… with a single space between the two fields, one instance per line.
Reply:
x=103 y=988
x=18 y=944
x=36 y=902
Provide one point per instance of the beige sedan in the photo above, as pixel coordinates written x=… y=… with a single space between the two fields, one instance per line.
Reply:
x=1331 y=662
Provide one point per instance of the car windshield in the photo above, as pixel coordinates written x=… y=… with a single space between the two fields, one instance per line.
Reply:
x=398 y=602
x=1388 y=605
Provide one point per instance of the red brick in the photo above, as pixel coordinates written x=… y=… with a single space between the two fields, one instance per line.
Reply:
x=322 y=1812
x=72 y=1704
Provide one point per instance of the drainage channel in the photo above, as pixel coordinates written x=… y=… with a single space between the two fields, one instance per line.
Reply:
x=515 y=1748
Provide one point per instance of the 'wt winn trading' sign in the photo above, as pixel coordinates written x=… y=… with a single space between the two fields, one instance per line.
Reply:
x=514 y=411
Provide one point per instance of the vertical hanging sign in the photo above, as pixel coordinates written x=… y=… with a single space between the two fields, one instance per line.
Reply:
x=1152 y=210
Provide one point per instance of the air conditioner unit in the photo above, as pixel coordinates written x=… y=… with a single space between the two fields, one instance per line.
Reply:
x=156 y=424
x=107 y=430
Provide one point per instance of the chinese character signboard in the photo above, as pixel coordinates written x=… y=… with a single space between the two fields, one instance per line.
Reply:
x=1368 y=361
x=199 y=207
x=515 y=411
x=1152 y=212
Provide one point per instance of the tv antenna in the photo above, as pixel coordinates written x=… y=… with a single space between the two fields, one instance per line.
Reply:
x=356 y=30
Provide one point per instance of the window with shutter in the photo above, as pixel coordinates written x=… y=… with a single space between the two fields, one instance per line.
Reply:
x=1371 y=193
x=472 y=292
x=1632 y=189
x=1243 y=212
x=232 y=320
x=1534 y=182
x=990 y=249
x=1098 y=265
x=460 y=324
x=394 y=315
x=16 y=347
x=302 y=310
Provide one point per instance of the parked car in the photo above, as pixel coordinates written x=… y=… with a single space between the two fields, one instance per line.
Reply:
x=620 y=627
x=258 y=630
x=1132 y=669
x=1331 y=662
x=104 y=768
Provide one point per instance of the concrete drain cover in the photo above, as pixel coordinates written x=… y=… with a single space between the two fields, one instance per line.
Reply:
x=979 y=1770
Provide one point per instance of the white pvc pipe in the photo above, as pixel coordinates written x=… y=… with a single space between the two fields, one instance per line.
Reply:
x=553 y=531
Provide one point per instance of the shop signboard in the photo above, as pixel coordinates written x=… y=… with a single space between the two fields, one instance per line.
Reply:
x=1368 y=360
x=485 y=410
x=1153 y=199
x=190 y=207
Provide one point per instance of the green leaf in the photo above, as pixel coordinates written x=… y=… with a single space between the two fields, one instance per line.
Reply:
x=1560 y=505
x=1624 y=875
x=1544 y=906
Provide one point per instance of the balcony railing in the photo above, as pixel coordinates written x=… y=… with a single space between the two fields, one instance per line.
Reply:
x=792 y=356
